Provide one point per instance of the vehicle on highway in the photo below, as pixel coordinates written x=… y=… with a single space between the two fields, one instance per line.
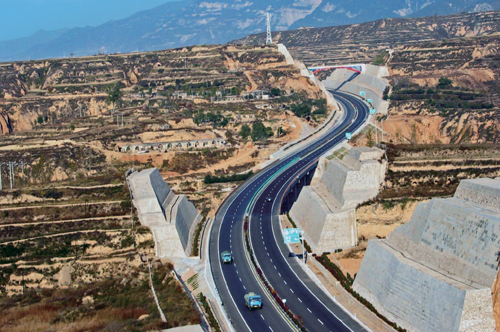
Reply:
x=253 y=301
x=269 y=199
x=226 y=257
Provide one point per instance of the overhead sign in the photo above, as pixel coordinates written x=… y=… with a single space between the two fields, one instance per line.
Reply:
x=291 y=235
x=373 y=111
x=348 y=135
x=362 y=93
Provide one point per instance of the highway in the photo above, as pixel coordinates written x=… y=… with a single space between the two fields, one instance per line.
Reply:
x=305 y=299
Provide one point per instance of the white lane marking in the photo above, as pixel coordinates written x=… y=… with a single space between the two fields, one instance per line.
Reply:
x=299 y=299
x=275 y=267
x=309 y=310
x=285 y=282
x=271 y=329
x=278 y=272
x=271 y=260
x=237 y=272
x=241 y=280
x=244 y=287
x=262 y=317
x=291 y=290
x=268 y=254
x=320 y=322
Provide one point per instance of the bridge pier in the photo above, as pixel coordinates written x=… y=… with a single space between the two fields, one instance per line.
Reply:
x=292 y=194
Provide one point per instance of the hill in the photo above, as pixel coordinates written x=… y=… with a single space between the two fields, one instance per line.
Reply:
x=362 y=42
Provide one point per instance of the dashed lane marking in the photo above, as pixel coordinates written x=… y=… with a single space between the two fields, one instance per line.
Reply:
x=320 y=322
x=262 y=317
x=309 y=310
x=299 y=299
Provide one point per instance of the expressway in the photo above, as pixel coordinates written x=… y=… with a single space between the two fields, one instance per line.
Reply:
x=304 y=298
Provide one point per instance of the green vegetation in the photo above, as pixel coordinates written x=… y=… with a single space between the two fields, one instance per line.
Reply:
x=381 y=58
x=305 y=108
x=196 y=238
x=114 y=93
x=216 y=120
x=444 y=98
x=245 y=131
x=227 y=178
x=260 y=132
x=211 y=318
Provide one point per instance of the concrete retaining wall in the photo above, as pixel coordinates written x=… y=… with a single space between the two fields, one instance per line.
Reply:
x=171 y=218
x=371 y=81
x=417 y=298
x=449 y=247
x=325 y=230
x=326 y=209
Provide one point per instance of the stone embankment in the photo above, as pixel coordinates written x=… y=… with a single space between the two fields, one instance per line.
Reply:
x=326 y=208
x=172 y=218
x=436 y=272
x=369 y=84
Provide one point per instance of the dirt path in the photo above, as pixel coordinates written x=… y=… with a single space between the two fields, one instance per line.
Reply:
x=64 y=221
x=58 y=205
x=250 y=79
x=436 y=168
x=405 y=161
x=119 y=230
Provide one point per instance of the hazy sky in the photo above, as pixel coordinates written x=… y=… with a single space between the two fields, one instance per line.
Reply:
x=21 y=18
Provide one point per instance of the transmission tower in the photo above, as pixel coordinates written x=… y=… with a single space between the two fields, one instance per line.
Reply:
x=269 y=39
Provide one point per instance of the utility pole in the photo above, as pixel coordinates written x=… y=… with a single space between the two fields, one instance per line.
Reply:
x=1 y=176
x=269 y=39
x=11 y=172
x=382 y=131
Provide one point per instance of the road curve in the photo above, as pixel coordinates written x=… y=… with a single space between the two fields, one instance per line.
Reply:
x=317 y=310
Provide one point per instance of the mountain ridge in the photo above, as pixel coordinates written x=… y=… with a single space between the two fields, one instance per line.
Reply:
x=198 y=22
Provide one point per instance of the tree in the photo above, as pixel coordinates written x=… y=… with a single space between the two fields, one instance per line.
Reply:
x=114 y=93
x=445 y=82
x=259 y=131
x=275 y=92
x=245 y=131
x=302 y=110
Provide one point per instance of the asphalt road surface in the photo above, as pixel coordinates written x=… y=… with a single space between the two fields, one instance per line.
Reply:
x=233 y=281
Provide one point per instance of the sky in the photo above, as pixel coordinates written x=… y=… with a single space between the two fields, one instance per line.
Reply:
x=22 y=18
